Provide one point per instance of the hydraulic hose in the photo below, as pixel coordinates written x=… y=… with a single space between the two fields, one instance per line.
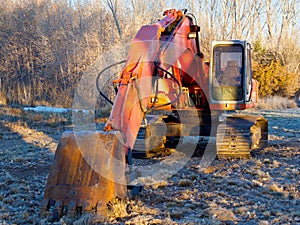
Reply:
x=98 y=77
x=176 y=81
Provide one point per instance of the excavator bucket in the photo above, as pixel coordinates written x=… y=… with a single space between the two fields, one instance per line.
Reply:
x=88 y=172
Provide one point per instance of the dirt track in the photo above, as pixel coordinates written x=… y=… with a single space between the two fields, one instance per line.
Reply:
x=262 y=190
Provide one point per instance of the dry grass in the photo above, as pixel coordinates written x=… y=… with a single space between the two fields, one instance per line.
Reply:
x=87 y=219
x=117 y=208
x=185 y=183
x=276 y=102
x=260 y=189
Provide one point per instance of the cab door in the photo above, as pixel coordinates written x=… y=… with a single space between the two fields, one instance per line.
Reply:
x=228 y=74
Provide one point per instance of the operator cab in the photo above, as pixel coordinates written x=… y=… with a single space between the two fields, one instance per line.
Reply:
x=231 y=84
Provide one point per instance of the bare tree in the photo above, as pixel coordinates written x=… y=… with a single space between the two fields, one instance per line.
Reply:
x=47 y=45
x=113 y=5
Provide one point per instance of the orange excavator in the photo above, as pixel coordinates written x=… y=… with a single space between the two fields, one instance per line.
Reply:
x=165 y=93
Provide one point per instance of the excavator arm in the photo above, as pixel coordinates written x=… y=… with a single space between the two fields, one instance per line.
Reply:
x=148 y=53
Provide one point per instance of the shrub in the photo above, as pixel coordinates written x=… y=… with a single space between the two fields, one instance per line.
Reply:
x=275 y=74
x=274 y=79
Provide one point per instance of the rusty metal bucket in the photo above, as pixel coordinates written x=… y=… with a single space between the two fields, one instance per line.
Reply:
x=88 y=172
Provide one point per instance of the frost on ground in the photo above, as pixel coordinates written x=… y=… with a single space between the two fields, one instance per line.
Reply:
x=262 y=190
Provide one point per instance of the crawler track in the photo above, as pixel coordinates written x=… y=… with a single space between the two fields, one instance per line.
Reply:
x=237 y=135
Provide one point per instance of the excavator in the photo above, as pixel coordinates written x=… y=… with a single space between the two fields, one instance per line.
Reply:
x=165 y=93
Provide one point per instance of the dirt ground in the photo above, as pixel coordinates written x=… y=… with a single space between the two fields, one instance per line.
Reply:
x=262 y=190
